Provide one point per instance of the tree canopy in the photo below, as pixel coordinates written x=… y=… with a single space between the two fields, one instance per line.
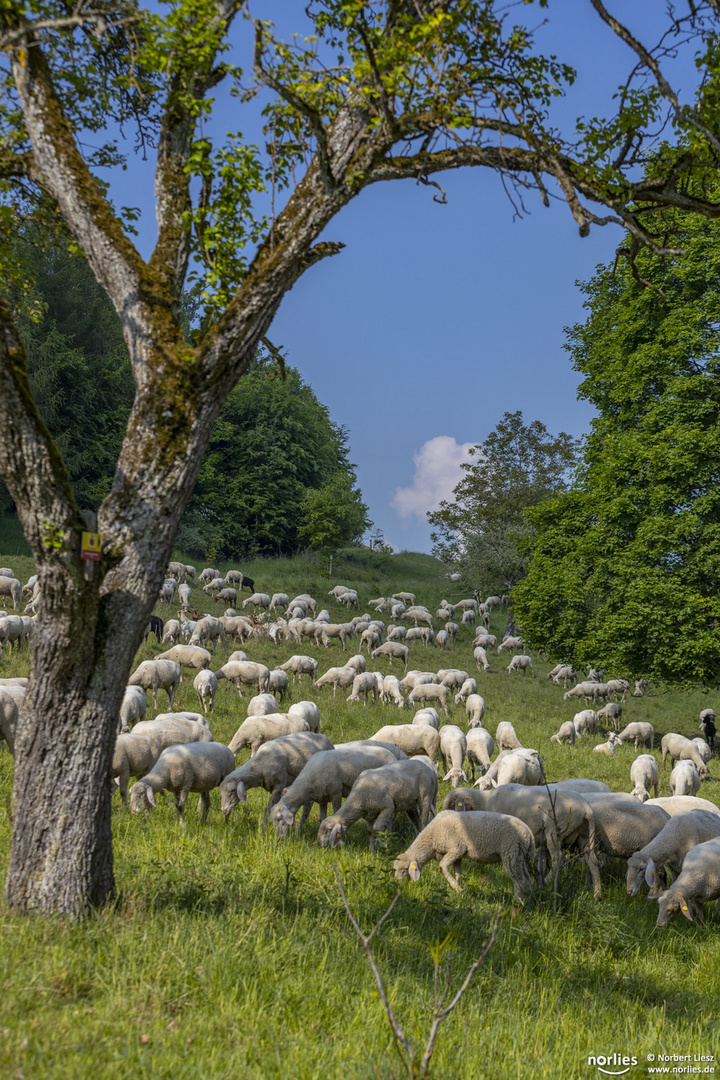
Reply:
x=517 y=466
x=626 y=564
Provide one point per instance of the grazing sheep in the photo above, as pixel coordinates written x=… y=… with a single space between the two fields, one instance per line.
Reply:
x=453 y=746
x=134 y=755
x=428 y=716
x=480 y=656
x=187 y=656
x=275 y=766
x=306 y=710
x=698 y=883
x=8 y=718
x=263 y=705
x=475 y=709
x=157 y=675
x=133 y=707
x=611 y=713
x=278 y=683
x=10 y=586
x=393 y=650
x=453 y=678
x=506 y=738
x=365 y=684
x=226 y=596
x=358 y=662
x=565 y=672
x=417 y=678
x=336 y=677
x=623 y=827
x=396 y=633
x=257 y=730
x=468 y=687
x=429 y=692
x=558 y=819
x=206 y=684
x=668 y=849
x=585 y=690
x=480 y=748
x=683 y=804
x=522 y=766
x=685 y=779
x=181 y=769
x=301 y=665
x=184 y=596
x=245 y=673
x=391 y=693
x=641 y=734
x=327 y=778
x=680 y=748
x=410 y=738
x=585 y=722
x=703 y=749
x=644 y=774
x=482 y=837
x=521 y=663
x=259 y=599
x=566 y=733
x=378 y=795
x=171 y=632
x=211 y=630
x=582 y=786
x=511 y=643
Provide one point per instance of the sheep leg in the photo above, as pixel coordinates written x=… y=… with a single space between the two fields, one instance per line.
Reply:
x=204 y=805
x=450 y=859
x=180 y=801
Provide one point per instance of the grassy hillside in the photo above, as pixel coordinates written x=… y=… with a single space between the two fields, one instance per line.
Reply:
x=230 y=954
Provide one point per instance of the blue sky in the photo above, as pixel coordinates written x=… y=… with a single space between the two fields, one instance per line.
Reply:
x=437 y=319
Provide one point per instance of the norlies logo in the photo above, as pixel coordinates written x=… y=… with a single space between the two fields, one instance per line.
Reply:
x=614 y=1059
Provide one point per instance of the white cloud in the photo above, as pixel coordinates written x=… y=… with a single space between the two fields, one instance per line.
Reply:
x=437 y=471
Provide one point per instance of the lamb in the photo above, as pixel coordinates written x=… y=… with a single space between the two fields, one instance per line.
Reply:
x=522 y=766
x=378 y=795
x=393 y=650
x=301 y=665
x=275 y=766
x=428 y=716
x=611 y=714
x=181 y=769
x=585 y=722
x=474 y=709
x=245 y=673
x=698 y=883
x=326 y=779
x=453 y=746
x=685 y=779
x=257 y=730
x=157 y=675
x=641 y=734
x=607 y=747
x=480 y=748
x=429 y=692
x=365 y=684
x=410 y=738
x=336 y=677
x=187 y=656
x=566 y=733
x=506 y=738
x=481 y=837
x=644 y=774
x=558 y=819
x=668 y=849
x=262 y=705
x=468 y=687
x=308 y=711
x=205 y=684
x=133 y=708
x=481 y=660
x=521 y=663
x=680 y=748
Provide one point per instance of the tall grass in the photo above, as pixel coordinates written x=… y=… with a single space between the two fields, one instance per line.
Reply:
x=229 y=954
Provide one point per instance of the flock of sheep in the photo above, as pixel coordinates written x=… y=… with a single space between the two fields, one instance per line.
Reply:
x=509 y=815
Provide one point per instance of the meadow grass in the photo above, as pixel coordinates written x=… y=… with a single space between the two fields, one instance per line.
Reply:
x=229 y=954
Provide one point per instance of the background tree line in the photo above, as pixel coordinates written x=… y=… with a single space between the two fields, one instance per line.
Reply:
x=276 y=477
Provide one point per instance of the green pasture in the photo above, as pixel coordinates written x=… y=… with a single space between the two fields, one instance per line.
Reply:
x=230 y=955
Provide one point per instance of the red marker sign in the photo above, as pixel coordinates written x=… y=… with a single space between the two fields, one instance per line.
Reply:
x=91 y=544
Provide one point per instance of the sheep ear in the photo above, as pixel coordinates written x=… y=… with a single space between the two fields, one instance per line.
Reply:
x=286 y=815
x=650 y=872
x=414 y=871
x=150 y=795
x=493 y=781
x=241 y=793
x=446 y=778
x=336 y=835
x=686 y=910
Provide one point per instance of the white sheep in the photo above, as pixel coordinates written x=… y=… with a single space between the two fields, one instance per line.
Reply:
x=482 y=837
x=428 y=716
x=453 y=747
x=611 y=713
x=475 y=709
x=365 y=684
x=684 y=804
x=393 y=650
x=644 y=774
x=171 y=631
x=480 y=748
x=336 y=677
x=134 y=755
x=8 y=718
x=258 y=599
x=308 y=711
x=668 y=849
x=698 y=883
x=641 y=734
x=257 y=730
x=10 y=586
x=245 y=673
x=211 y=630
x=275 y=766
x=184 y=596
x=453 y=678
x=391 y=693
x=586 y=690
x=524 y=766
x=301 y=665
x=685 y=779
x=358 y=662
x=521 y=663
x=378 y=795
x=585 y=722
x=511 y=643
x=205 y=684
x=677 y=747
x=262 y=704
x=506 y=738
x=181 y=769
x=187 y=656
x=607 y=747
x=481 y=659
x=566 y=733
x=429 y=692
x=278 y=683
x=703 y=749
x=410 y=738
x=467 y=688
x=157 y=675
x=133 y=708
